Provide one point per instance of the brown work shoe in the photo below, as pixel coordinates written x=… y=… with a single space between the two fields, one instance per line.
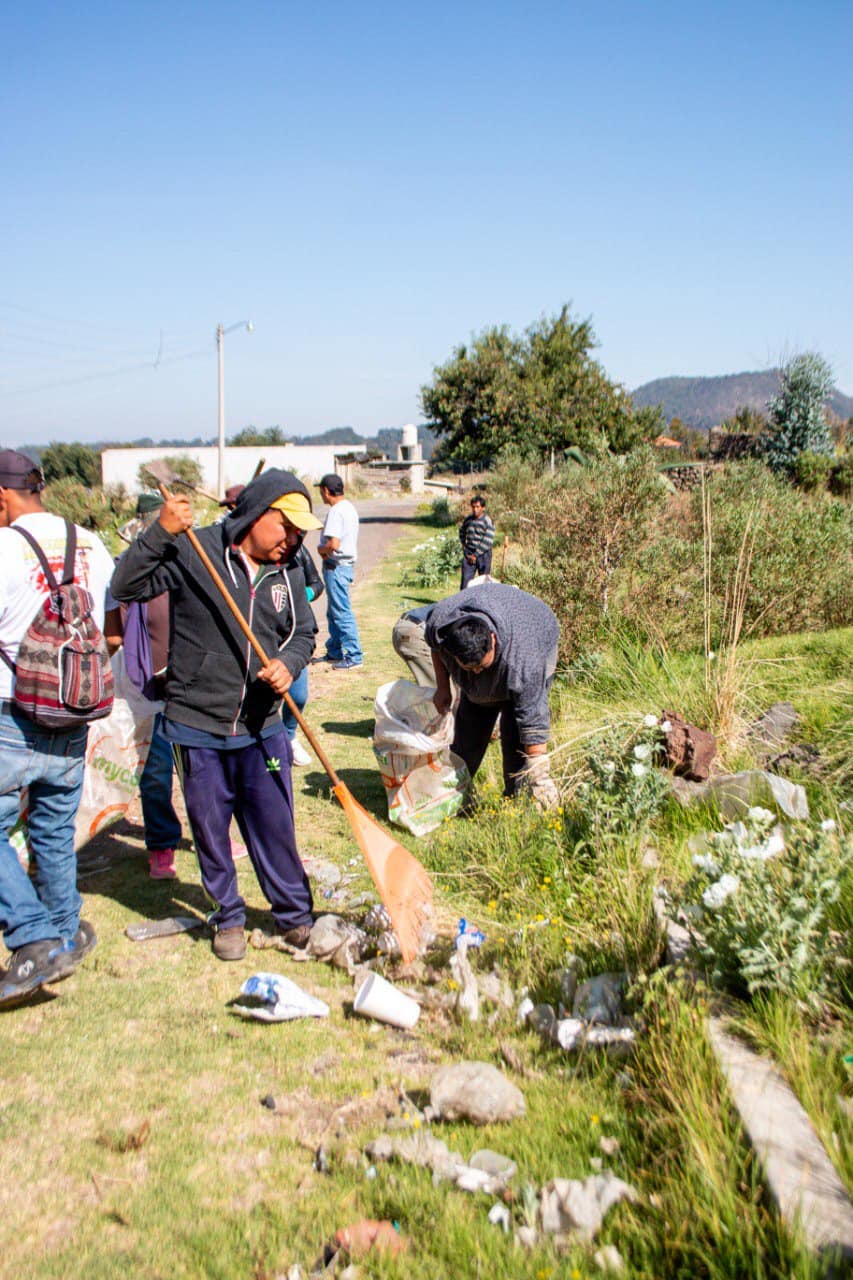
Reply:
x=229 y=944
x=296 y=937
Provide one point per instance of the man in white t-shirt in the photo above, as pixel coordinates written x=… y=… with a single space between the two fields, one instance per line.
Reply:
x=39 y=915
x=338 y=550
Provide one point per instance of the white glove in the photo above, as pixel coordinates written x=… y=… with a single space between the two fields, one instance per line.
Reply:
x=537 y=781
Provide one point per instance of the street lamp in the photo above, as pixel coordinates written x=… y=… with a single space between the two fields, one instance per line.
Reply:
x=220 y=334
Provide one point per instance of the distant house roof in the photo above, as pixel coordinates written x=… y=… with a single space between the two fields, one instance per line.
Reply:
x=666 y=442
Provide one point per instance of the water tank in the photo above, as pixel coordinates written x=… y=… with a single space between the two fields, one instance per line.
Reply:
x=410 y=435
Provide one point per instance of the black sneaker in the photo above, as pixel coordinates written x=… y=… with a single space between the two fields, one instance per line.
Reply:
x=32 y=966
x=84 y=941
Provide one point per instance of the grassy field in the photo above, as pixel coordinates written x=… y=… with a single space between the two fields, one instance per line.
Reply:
x=132 y=1134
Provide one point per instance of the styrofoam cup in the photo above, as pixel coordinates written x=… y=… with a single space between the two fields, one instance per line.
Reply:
x=378 y=999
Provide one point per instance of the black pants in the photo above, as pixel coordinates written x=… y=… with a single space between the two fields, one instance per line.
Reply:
x=483 y=565
x=474 y=724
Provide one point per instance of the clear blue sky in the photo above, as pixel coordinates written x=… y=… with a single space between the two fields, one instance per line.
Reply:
x=370 y=184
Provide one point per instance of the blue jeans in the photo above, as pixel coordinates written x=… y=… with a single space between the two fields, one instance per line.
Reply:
x=299 y=693
x=162 y=825
x=51 y=765
x=343 y=633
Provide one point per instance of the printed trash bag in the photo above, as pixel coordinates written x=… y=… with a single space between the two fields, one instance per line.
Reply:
x=424 y=780
x=116 y=752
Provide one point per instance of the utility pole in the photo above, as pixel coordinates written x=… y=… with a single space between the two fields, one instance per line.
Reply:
x=220 y=360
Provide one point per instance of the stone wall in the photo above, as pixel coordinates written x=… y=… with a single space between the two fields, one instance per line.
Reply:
x=726 y=446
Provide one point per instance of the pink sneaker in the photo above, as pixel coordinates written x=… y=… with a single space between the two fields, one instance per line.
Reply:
x=161 y=864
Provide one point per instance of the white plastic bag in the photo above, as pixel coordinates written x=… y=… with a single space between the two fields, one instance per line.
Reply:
x=116 y=752
x=424 y=780
x=115 y=756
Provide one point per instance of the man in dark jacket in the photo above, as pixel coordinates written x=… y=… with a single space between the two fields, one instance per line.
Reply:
x=222 y=707
x=499 y=645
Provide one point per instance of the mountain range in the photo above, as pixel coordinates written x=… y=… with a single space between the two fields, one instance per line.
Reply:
x=705 y=402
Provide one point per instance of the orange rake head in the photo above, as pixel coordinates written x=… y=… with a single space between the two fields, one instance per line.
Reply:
x=401 y=882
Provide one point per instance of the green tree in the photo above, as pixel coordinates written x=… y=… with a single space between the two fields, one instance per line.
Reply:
x=540 y=390
x=798 y=421
x=74 y=461
x=251 y=436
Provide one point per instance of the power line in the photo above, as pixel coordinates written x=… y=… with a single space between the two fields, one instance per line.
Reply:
x=106 y=373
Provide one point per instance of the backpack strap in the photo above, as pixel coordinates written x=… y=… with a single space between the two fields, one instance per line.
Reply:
x=70 y=553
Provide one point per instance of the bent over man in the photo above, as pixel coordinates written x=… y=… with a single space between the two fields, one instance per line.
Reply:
x=222 y=709
x=499 y=645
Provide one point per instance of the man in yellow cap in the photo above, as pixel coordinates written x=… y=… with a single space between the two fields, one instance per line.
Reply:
x=222 y=711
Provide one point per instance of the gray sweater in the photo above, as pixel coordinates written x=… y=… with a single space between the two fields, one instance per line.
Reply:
x=526 y=632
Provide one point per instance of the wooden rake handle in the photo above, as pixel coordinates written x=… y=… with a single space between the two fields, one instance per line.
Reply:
x=256 y=645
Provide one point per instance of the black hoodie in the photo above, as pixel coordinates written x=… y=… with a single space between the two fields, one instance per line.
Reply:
x=211 y=682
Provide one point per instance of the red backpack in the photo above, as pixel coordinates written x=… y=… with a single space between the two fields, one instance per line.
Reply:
x=63 y=675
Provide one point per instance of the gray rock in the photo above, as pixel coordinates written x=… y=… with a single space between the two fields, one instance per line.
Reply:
x=335 y=941
x=770 y=730
x=571 y=1206
x=493 y=1163
x=526 y=1237
x=420 y=1149
x=542 y=1019
x=600 y=999
x=475 y=1091
x=733 y=793
x=494 y=990
x=569 y=981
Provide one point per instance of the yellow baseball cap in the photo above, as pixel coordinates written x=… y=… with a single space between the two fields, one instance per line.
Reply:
x=298 y=511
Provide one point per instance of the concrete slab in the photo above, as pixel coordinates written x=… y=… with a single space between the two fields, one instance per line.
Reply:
x=799 y=1174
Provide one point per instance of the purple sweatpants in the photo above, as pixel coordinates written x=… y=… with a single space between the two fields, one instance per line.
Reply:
x=253 y=785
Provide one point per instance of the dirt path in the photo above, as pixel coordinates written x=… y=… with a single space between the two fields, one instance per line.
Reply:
x=382 y=521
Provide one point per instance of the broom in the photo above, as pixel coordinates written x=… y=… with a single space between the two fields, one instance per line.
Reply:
x=401 y=881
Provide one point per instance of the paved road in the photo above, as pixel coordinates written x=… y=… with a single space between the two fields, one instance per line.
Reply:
x=382 y=520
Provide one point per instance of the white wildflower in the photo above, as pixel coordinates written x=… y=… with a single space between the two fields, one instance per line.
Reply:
x=757 y=814
x=716 y=894
x=642 y=751
x=828 y=824
x=665 y=726
x=639 y=770
x=767 y=849
x=650 y=721
x=711 y=655
x=738 y=832
x=704 y=862
x=609 y=766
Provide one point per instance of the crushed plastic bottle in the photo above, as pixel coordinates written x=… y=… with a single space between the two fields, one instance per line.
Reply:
x=474 y=937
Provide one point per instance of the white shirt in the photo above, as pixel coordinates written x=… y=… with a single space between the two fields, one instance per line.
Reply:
x=342 y=523
x=22 y=582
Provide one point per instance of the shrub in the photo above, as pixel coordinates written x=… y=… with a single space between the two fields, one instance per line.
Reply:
x=812 y=470
x=841 y=476
x=436 y=560
x=623 y=789
x=440 y=514
x=98 y=509
x=760 y=907
x=590 y=523
x=186 y=469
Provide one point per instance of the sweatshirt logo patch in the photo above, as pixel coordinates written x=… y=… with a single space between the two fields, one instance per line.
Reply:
x=279 y=597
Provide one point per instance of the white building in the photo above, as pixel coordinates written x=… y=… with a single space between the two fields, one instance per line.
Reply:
x=309 y=462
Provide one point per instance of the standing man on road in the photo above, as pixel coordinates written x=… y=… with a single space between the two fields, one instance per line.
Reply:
x=222 y=708
x=338 y=550
x=499 y=646
x=477 y=534
x=39 y=915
